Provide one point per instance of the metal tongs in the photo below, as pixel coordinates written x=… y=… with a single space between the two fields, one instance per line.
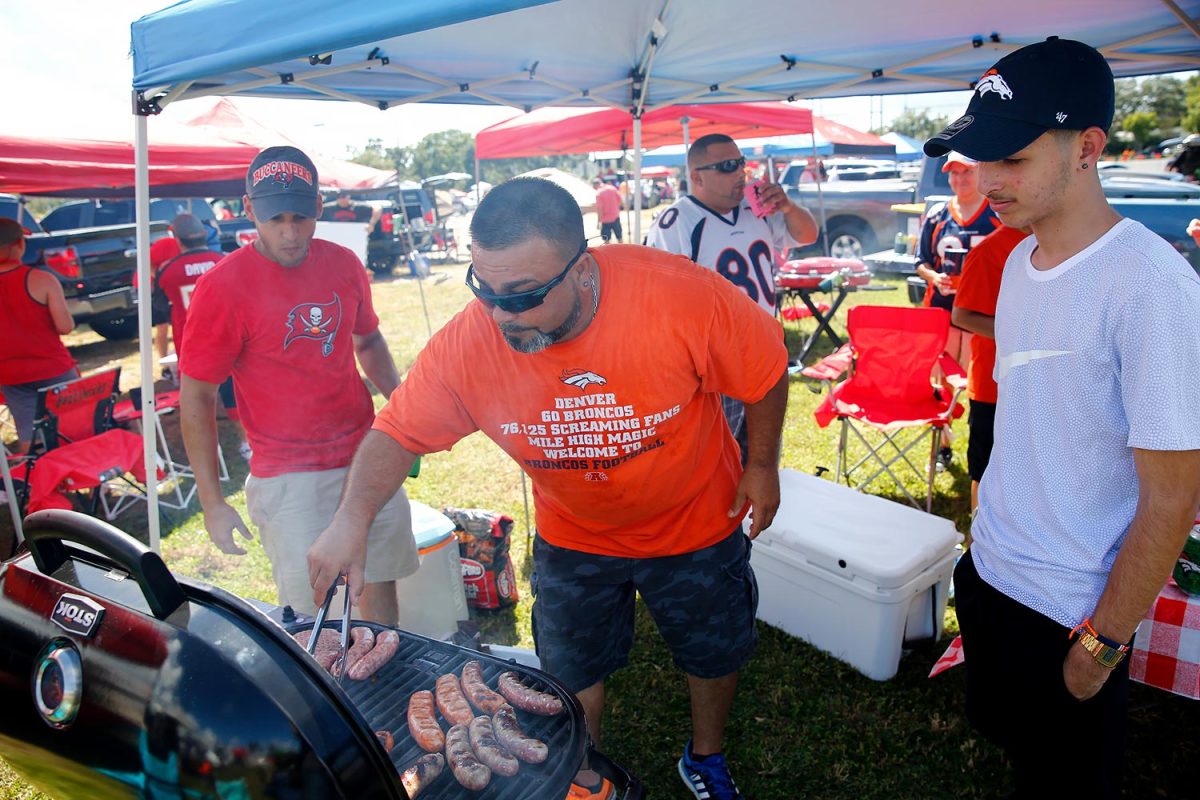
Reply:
x=319 y=622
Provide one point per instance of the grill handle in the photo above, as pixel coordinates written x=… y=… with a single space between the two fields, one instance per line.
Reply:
x=48 y=531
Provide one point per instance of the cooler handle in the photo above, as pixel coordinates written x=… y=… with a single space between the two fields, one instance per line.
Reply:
x=47 y=531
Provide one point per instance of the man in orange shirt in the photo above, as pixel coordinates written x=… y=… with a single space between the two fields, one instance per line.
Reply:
x=603 y=380
x=975 y=311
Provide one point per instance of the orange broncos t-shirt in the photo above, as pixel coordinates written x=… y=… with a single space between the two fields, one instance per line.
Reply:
x=620 y=429
x=978 y=291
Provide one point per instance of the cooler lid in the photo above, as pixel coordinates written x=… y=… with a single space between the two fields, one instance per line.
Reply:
x=855 y=536
x=429 y=526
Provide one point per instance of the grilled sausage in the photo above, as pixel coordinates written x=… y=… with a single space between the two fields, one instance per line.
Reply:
x=423 y=724
x=450 y=701
x=386 y=739
x=328 y=646
x=514 y=740
x=527 y=699
x=488 y=750
x=363 y=640
x=467 y=769
x=424 y=771
x=477 y=691
x=386 y=645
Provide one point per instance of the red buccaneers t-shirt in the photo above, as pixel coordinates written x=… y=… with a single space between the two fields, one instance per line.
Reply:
x=177 y=278
x=285 y=334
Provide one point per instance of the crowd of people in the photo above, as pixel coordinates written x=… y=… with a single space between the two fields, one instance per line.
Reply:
x=1085 y=475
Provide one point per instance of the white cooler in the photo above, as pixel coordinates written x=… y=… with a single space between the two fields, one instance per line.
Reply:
x=432 y=600
x=854 y=574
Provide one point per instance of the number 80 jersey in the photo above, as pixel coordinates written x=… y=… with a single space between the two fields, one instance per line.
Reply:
x=739 y=246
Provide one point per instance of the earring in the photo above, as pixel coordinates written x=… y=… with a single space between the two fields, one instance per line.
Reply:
x=586 y=283
x=1083 y=165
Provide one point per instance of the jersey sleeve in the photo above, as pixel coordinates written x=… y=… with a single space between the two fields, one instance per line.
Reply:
x=781 y=237
x=979 y=286
x=667 y=233
x=925 y=244
x=425 y=414
x=213 y=333
x=744 y=354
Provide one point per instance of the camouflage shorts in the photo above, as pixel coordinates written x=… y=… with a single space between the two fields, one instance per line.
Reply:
x=702 y=602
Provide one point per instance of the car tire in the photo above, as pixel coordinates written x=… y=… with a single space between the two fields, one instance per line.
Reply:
x=117 y=329
x=850 y=239
x=381 y=266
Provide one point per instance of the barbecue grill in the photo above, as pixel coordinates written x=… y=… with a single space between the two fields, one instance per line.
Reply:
x=118 y=679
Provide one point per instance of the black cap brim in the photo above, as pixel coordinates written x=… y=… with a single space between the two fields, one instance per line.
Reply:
x=983 y=137
x=269 y=206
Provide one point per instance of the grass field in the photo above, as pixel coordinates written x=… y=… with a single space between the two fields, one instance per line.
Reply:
x=804 y=724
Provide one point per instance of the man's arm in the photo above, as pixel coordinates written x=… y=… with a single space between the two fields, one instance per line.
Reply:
x=975 y=322
x=47 y=289
x=198 y=420
x=376 y=361
x=376 y=213
x=760 y=481
x=379 y=468
x=1168 y=497
x=800 y=223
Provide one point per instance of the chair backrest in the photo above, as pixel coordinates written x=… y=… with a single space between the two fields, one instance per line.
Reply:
x=896 y=348
x=75 y=410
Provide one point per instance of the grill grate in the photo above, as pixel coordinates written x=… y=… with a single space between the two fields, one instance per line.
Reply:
x=382 y=700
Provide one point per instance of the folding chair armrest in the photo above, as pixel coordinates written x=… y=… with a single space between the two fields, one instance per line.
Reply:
x=953 y=372
x=832 y=366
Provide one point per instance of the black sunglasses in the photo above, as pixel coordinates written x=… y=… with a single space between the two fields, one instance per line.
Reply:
x=517 y=302
x=726 y=166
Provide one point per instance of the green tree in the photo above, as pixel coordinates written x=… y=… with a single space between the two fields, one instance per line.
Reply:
x=372 y=155
x=1191 y=116
x=917 y=123
x=443 y=151
x=1163 y=95
x=1140 y=124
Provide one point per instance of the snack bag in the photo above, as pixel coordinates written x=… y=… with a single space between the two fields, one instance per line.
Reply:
x=483 y=538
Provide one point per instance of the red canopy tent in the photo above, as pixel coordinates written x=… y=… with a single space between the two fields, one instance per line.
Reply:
x=551 y=132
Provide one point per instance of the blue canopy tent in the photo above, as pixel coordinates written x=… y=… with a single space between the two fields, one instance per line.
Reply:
x=629 y=54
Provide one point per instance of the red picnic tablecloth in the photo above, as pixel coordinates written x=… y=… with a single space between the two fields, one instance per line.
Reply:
x=1166 y=650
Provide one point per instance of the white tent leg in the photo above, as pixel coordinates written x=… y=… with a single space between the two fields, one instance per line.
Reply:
x=141 y=148
x=637 y=181
x=820 y=196
x=11 y=492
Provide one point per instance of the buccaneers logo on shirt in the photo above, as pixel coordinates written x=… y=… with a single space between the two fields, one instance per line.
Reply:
x=318 y=321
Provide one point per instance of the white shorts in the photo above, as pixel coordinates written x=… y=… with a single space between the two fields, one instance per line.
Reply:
x=290 y=512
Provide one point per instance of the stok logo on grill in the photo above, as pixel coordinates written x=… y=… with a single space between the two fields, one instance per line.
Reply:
x=76 y=614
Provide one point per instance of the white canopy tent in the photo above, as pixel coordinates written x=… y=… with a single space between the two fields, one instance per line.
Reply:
x=628 y=54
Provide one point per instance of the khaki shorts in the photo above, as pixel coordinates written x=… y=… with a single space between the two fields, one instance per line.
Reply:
x=290 y=512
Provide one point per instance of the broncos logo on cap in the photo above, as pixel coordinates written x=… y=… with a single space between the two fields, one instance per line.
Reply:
x=992 y=82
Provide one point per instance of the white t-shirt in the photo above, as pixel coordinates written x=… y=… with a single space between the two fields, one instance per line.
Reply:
x=1096 y=356
x=740 y=246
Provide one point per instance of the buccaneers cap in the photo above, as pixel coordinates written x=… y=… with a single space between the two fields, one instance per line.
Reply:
x=1058 y=84
x=282 y=180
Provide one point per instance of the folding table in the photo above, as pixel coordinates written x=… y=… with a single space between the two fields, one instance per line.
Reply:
x=802 y=277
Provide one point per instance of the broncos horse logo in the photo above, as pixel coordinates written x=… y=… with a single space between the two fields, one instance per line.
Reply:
x=581 y=379
x=992 y=82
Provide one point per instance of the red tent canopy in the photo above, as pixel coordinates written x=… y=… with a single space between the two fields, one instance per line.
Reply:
x=551 y=132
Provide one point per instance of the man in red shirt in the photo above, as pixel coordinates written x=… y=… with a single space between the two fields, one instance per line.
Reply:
x=287 y=316
x=608 y=209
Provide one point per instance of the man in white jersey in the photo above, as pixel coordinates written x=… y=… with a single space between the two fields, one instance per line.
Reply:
x=716 y=227
x=1095 y=474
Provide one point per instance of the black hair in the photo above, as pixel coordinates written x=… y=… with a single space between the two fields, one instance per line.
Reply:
x=699 y=148
x=521 y=209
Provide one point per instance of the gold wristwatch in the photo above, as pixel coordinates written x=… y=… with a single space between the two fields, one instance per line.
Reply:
x=1103 y=649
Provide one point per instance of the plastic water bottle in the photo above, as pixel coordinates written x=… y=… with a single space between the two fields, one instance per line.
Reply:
x=833 y=282
x=901 y=244
x=1187 y=568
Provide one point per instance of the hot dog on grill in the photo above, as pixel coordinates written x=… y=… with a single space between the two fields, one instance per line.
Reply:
x=424 y=771
x=328 y=646
x=467 y=769
x=386 y=645
x=363 y=639
x=451 y=702
x=488 y=749
x=527 y=699
x=423 y=724
x=386 y=739
x=514 y=740
x=477 y=691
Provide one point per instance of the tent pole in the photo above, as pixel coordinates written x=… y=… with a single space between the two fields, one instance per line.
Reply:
x=477 y=197
x=13 y=508
x=820 y=196
x=637 y=180
x=141 y=149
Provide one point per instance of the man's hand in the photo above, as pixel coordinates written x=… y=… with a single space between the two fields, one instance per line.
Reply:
x=220 y=523
x=341 y=549
x=773 y=198
x=1083 y=674
x=760 y=486
x=1193 y=230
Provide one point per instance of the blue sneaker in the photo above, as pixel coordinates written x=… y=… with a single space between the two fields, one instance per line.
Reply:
x=708 y=778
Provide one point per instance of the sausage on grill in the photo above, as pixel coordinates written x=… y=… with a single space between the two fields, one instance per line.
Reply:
x=451 y=702
x=528 y=699
x=424 y=771
x=477 y=691
x=386 y=645
x=467 y=769
x=363 y=639
x=328 y=646
x=489 y=751
x=423 y=724
x=514 y=740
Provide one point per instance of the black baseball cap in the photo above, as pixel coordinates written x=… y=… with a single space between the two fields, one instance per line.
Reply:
x=282 y=180
x=1058 y=84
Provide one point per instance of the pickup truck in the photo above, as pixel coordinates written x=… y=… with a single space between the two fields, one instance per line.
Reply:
x=860 y=218
x=94 y=264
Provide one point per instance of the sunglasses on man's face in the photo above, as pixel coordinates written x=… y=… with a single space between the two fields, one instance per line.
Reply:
x=727 y=166
x=517 y=302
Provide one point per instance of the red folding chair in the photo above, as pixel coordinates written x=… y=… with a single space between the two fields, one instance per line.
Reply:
x=890 y=401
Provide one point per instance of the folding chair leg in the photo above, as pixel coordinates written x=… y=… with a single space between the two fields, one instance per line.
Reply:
x=934 y=439
x=841 y=454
